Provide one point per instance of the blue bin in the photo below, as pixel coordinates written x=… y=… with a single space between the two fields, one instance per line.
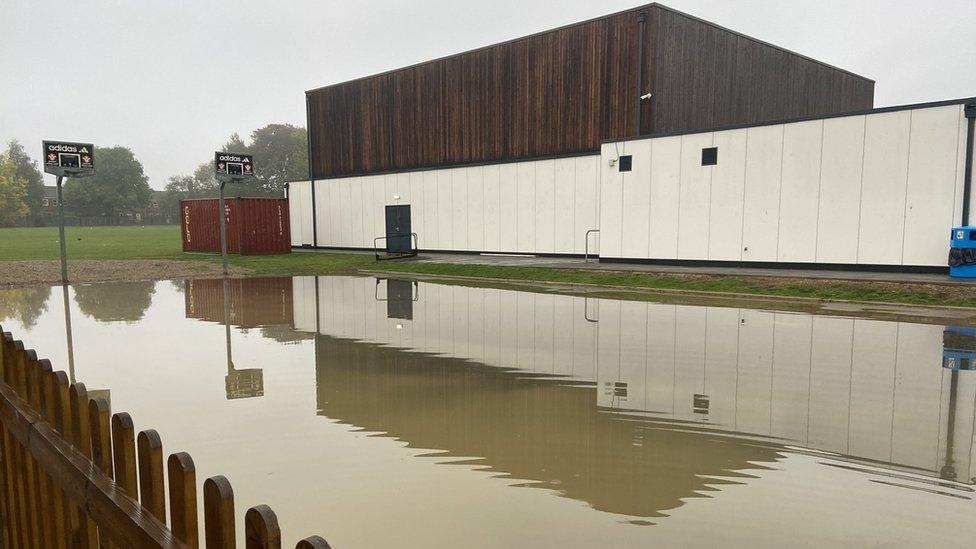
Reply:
x=959 y=348
x=962 y=252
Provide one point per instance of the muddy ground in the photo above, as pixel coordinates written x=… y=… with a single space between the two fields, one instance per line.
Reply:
x=27 y=273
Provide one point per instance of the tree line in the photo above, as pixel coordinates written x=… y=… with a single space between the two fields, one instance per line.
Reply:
x=120 y=186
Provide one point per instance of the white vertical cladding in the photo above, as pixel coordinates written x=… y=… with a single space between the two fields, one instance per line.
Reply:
x=611 y=200
x=300 y=213
x=564 y=204
x=492 y=214
x=764 y=165
x=917 y=396
x=418 y=215
x=883 y=187
x=476 y=209
x=545 y=206
x=872 y=388
x=694 y=201
x=791 y=376
x=369 y=212
x=508 y=214
x=332 y=191
x=754 y=371
x=359 y=232
x=586 y=199
x=728 y=185
x=445 y=210
x=800 y=192
x=930 y=198
x=661 y=353
x=525 y=206
x=840 y=189
x=635 y=189
x=459 y=209
x=830 y=374
x=689 y=361
x=346 y=213
x=722 y=365
x=665 y=191
x=431 y=236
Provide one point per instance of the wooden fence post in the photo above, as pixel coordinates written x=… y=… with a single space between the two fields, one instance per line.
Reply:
x=124 y=454
x=42 y=495
x=218 y=513
x=86 y=535
x=313 y=542
x=261 y=529
x=183 y=499
x=149 y=450
x=49 y=403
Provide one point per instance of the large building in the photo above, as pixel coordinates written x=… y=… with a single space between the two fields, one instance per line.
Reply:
x=646 y=135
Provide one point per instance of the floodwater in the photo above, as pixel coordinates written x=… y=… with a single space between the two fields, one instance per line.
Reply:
x=381 y=413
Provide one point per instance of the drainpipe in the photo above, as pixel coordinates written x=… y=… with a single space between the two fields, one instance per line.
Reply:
x=967 y=183
x=311 y=178
x=641 y=20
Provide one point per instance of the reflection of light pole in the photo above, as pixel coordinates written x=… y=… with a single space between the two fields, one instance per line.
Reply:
x=230 y=361
x=948 y=471
x=67 y=329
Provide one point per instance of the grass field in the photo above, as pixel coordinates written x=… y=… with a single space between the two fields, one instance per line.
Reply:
x=163 y=242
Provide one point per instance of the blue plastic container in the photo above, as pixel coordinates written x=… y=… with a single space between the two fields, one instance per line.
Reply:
x=962 y=252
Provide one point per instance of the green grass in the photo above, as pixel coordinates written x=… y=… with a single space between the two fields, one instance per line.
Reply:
x=163 y=242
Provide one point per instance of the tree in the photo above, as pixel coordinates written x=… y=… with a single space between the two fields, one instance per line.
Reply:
x=26 y=168
x=201 y=184
x=13 y=193
x=119 y=184
x=24 y=304
x=281 y=154
x=123 y=301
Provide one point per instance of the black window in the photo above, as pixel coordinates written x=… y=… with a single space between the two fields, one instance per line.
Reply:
x=710 y=156
x=626 y=163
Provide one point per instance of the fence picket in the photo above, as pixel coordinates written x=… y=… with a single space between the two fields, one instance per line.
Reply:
x=124 y=454
x=183 y=499
x=149 y=450
x=218 y=513
x=261 y=529
x=313 y=542
x=85 y=534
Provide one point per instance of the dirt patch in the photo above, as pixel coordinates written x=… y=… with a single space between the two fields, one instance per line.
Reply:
x=27 y=273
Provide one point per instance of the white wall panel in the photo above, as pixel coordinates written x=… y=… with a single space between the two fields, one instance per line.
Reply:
x=635 y=187
x=445 y=209
x=525 y=206
x=587 y=201
x=459 y=209
x=665 y=190
x=791 y=375
x=872 y=388
x=694 y=201
x=931 y=191
x=379 y=207
x=430 y=238
x=800 y=192
x=508 y=214
x=300 y=212
x=840 y=190
x=417 y=211
x=476 y=209
x=359 y=232
x=764 y=165
x=728 y=185
x=611 y=201
x=545 y=204
x=883 y=187
x=564 y=214
x=492 y=215
x=369 y=211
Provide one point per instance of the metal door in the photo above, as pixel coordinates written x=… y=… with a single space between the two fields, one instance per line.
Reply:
x=398 y=240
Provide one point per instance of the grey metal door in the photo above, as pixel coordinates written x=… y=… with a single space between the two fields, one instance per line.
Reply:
x=398 y=229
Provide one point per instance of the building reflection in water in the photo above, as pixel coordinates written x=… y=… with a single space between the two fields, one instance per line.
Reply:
x=635 y=406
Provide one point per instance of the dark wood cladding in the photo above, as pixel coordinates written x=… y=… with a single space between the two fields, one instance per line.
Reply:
x=563 y=92
x=708 y=77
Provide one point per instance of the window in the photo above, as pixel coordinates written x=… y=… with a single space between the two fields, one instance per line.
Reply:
x=626 y=163
x=710 y=156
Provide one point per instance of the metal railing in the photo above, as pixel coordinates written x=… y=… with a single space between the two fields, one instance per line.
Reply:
x=415 y=240
x=586 y=245
x=69 y=475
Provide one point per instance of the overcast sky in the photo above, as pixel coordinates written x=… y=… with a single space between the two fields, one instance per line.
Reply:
x=172 y=79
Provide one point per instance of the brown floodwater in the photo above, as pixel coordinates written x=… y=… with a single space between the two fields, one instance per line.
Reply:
x=381 y=413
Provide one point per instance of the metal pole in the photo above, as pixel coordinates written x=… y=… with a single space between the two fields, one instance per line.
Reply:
x=230 y=360
x=64 y=252
x=223 y=229
x=67 y=330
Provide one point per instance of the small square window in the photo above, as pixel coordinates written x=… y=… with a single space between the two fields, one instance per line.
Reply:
x=626 y=163
x=710 y=156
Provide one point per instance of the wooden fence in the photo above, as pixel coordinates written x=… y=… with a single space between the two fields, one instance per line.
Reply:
x=72 y=474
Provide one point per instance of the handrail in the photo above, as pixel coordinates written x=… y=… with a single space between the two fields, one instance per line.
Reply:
x=413 y=237
x=586 y=245
x=68 y=474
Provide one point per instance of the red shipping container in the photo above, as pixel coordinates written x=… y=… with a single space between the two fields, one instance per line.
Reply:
x=254 y=225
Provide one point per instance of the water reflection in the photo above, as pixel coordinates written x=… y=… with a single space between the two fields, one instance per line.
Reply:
x=24 y=304
x=117 y=302
x=635 y=407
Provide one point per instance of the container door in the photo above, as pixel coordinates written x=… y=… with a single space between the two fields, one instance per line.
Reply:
x=398 y=239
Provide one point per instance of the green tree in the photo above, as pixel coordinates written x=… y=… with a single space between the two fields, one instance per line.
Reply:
x=113 y=302
x=118 y=185
x=24 y=304
x=13 y=193
x=26 y=168
x=201 y=184
x=280 y=154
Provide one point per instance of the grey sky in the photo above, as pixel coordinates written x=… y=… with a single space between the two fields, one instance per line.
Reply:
x=173 y=79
